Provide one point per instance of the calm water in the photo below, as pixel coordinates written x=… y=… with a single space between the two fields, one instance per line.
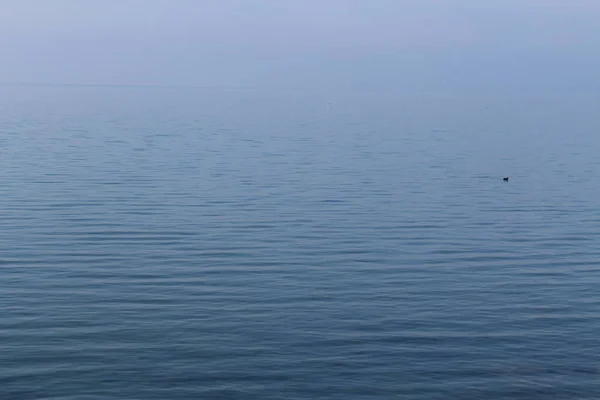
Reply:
x=244 y=244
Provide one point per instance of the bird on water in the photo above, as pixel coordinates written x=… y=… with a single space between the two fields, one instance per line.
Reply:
x=505 y=179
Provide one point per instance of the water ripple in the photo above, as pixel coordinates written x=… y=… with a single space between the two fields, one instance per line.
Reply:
x=197 y=251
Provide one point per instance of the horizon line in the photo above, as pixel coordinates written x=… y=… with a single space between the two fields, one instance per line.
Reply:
x=122 y=85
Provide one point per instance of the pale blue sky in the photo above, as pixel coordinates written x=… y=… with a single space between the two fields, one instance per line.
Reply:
x=445 y=44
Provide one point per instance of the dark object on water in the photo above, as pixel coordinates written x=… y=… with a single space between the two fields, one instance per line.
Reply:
x=505 y=179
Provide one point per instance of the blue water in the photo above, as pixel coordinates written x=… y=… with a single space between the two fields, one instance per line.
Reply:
x=162 y=243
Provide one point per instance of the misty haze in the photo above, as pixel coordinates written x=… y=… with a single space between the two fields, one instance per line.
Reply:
x=285 y=199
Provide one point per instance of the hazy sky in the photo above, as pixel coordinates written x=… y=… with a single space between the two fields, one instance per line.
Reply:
x=418 y=43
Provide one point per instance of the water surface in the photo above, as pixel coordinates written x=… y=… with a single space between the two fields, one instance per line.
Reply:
x=249 y=244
